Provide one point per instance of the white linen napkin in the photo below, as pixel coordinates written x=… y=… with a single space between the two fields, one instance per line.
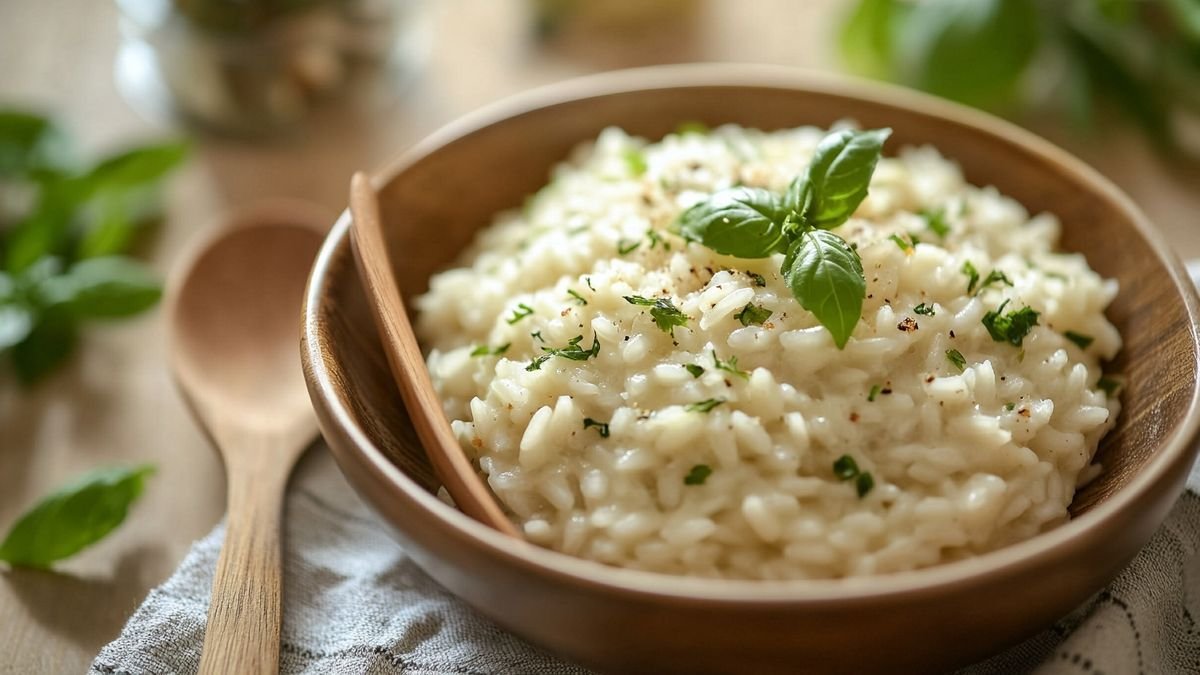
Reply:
x=355 y=603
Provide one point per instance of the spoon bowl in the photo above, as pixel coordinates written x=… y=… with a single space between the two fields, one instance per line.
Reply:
x=234 y=327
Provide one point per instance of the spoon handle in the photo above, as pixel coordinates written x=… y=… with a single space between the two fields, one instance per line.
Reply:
x=242 y=635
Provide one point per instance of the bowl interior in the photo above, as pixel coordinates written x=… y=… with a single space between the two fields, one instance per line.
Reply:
x=443 y=191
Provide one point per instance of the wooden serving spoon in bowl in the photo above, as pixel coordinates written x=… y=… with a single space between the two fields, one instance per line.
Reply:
x=234 y=324
x=408 y=366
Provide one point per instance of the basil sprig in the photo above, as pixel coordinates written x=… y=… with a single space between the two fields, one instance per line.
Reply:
x=824 y=272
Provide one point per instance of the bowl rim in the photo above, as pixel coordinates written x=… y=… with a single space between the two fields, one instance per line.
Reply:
x=1037 y=551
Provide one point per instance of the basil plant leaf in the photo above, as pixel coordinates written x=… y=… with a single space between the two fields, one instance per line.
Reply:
x=836 y=181
x=865 y=41
x=138 y=166
x=74 y=517
x=29 y=144
x=108 y=287
x=826 y=276
x=743 y=222
x=974 y=52
x=47 y=344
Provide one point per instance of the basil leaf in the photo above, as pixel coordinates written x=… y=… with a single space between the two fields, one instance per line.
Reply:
x=664 y=312
x=107 y=287
x=836 y=181
x=973 y=51
x=826 y=276
x=744 y=222
x=138 y=166
x=30 y=144
x=74 y=517
x=866 y=38
x=16 y=322
x=49 y=343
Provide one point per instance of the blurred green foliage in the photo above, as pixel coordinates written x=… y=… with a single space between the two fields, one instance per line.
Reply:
x=64 y=229
x=1141 y=56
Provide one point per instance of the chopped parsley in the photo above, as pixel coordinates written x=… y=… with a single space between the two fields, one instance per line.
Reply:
x=1108 y=385
x=972 y=276
x=956 y=358
x=588 y=281
x=664 y=312
x=536 y=364
x=484 y=350
x=601 y=427
x=753 y=314
x=759 y=280
x=924 y=309
x=635 y=160
x=1084 y=341
x=936 y=220
x=994 y=277
x=704 y=406
x=523 y=310
x=575 y=352
x=578 y=298
x=874 y=392
x=1012 y=327
x=904 y=244
x=624 y=246
x=845 y=468
x=656 y=239
x=1009 y=406
x=537 y=335
x=697 y=475
x=730 y=366
x=695 y=370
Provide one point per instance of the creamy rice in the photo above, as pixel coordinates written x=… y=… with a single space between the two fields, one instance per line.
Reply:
x=962 y=462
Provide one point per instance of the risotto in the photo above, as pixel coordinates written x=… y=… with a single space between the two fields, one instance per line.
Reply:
x=640 y=400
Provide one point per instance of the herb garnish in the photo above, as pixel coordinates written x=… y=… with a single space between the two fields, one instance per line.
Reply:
x=1012 y=327
x=635 y=160
x=875 y=389
x=956 y=358
x=74 y=517
x=730 y=366
x=656 y=239
x=573 y=351
x=536 y=364
x=601 y=427
x=704 y=406
x=994 y=277
x=924 y=309
x=1108 y=385
x=578 y=298
x=623 y=245
x=537 y=335
x=697 y=475
x=845 y=468
x=754 y=314
x=664 y=312
x=522 y=310
x=1009 y=406
x=904 y=244
x=691 y=127
x=972 y=276
x=759 y=280
x=823 y=272
x=1083 y=341
x=694 y=369
x=484 y=350
x=935 y=219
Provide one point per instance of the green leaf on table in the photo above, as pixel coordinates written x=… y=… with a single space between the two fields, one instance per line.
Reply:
x=836 y=180
x=744 y=222
x=826 y=276
x=74 y=517
x=974 y=52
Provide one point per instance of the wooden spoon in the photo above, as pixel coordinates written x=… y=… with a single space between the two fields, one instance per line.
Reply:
x=408 y=366
x=234 y=327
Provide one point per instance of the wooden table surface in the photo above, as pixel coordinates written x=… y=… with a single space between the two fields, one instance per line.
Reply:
x=114 y=402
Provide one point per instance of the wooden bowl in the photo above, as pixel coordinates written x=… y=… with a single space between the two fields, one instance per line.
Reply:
x=440 y=192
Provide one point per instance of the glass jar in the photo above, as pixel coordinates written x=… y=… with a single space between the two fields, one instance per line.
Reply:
x=259 y=66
